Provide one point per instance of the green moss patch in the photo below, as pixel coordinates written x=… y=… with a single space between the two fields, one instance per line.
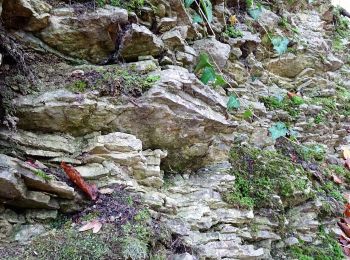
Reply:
x=261 y=174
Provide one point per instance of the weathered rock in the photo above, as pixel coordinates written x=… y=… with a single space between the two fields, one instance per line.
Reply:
x=218 y=51
x=30 y=15
x=139 y=41
x=5 y=228
x=90 y=36
x=28 y=232
x=38 y=144
x=179 y=114
x=291 y=65
x=173 y=40
x=14 y=191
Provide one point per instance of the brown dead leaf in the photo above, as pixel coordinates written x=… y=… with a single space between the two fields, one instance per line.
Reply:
x=347 y=163
x=75 y=177
x=336 y=179
x=95 y=225
x=233 y=20
x=347 y=210
x=106 y=191
x=346 y=153
x=291 y=94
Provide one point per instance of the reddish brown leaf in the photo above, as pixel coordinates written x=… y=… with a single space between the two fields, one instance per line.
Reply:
x=336 y=179
x=75 y=177
x=291 y=94
x=347 y=210
x=345 y=228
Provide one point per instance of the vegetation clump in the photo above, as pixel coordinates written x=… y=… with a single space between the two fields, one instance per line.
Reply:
x=261 y=174
x=328 y=249
x=112 y=81
x=290 y=105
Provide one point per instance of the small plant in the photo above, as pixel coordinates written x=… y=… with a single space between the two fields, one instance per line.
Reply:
x=232 y=32
x=78 y=86
x=207 y=73
x=133 y=248
x=328 y=249
x=42 y=175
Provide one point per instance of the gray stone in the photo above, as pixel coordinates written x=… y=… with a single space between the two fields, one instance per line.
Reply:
x=139 y=41
x=90 y=36
x=30 y=15
x=218 y=51
x=28 y=232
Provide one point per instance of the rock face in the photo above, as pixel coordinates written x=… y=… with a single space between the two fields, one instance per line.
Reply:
x=179 y=115
x=21 y=187
x=139 y=41
x=219 y=51
x=30 y=15
x=90 y=36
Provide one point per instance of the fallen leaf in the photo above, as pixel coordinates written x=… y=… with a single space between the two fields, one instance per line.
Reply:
x=346 y=153
x=347 y=163
x=291 y=94
x=75 y=177
x=345 y=228
x=95 y=225
x=336 y=179
x=347 y=210
x=106 y=191
x=233 y=20
x=347 y=197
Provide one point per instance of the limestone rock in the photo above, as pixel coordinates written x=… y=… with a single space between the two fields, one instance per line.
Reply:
x=90 y=36
x=290 y=65
x=219 y=51
x=30 y=15
x=179 y=114
x=28 y=232
x=139 y=41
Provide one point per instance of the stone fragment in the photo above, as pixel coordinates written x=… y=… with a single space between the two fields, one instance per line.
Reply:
x=30 y=15
x=139 y=41
x=28 y=232
x=90 y=36
x=218 y=51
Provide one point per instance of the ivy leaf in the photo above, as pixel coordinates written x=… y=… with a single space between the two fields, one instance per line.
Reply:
x=278 y=130
x=208 y=75
x=219 y=81
x=233 y=103
x=247 y=114
x=188 y=3
x=203 y=62
x=197 y=18
x=280 y=44
x=255 y=13
x=208 y=9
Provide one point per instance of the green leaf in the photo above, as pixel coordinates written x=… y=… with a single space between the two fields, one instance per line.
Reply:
x=188 y=3
x=208 y=9
x=196 y=18
x=255 y=13
x=247 y=114
x=233 y=103
x=280 y=44
x=278 y=130
x=203 y=62
x=208 y=75
x=219 y=80
x=297 y=100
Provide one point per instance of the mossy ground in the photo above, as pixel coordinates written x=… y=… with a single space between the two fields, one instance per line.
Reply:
x=112 y=81
x=128 y=232
x=328 y=249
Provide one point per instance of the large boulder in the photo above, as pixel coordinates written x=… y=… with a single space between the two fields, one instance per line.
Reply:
x=29 y=15
x=178 y=114
x=139 y=41
x=90 y=36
